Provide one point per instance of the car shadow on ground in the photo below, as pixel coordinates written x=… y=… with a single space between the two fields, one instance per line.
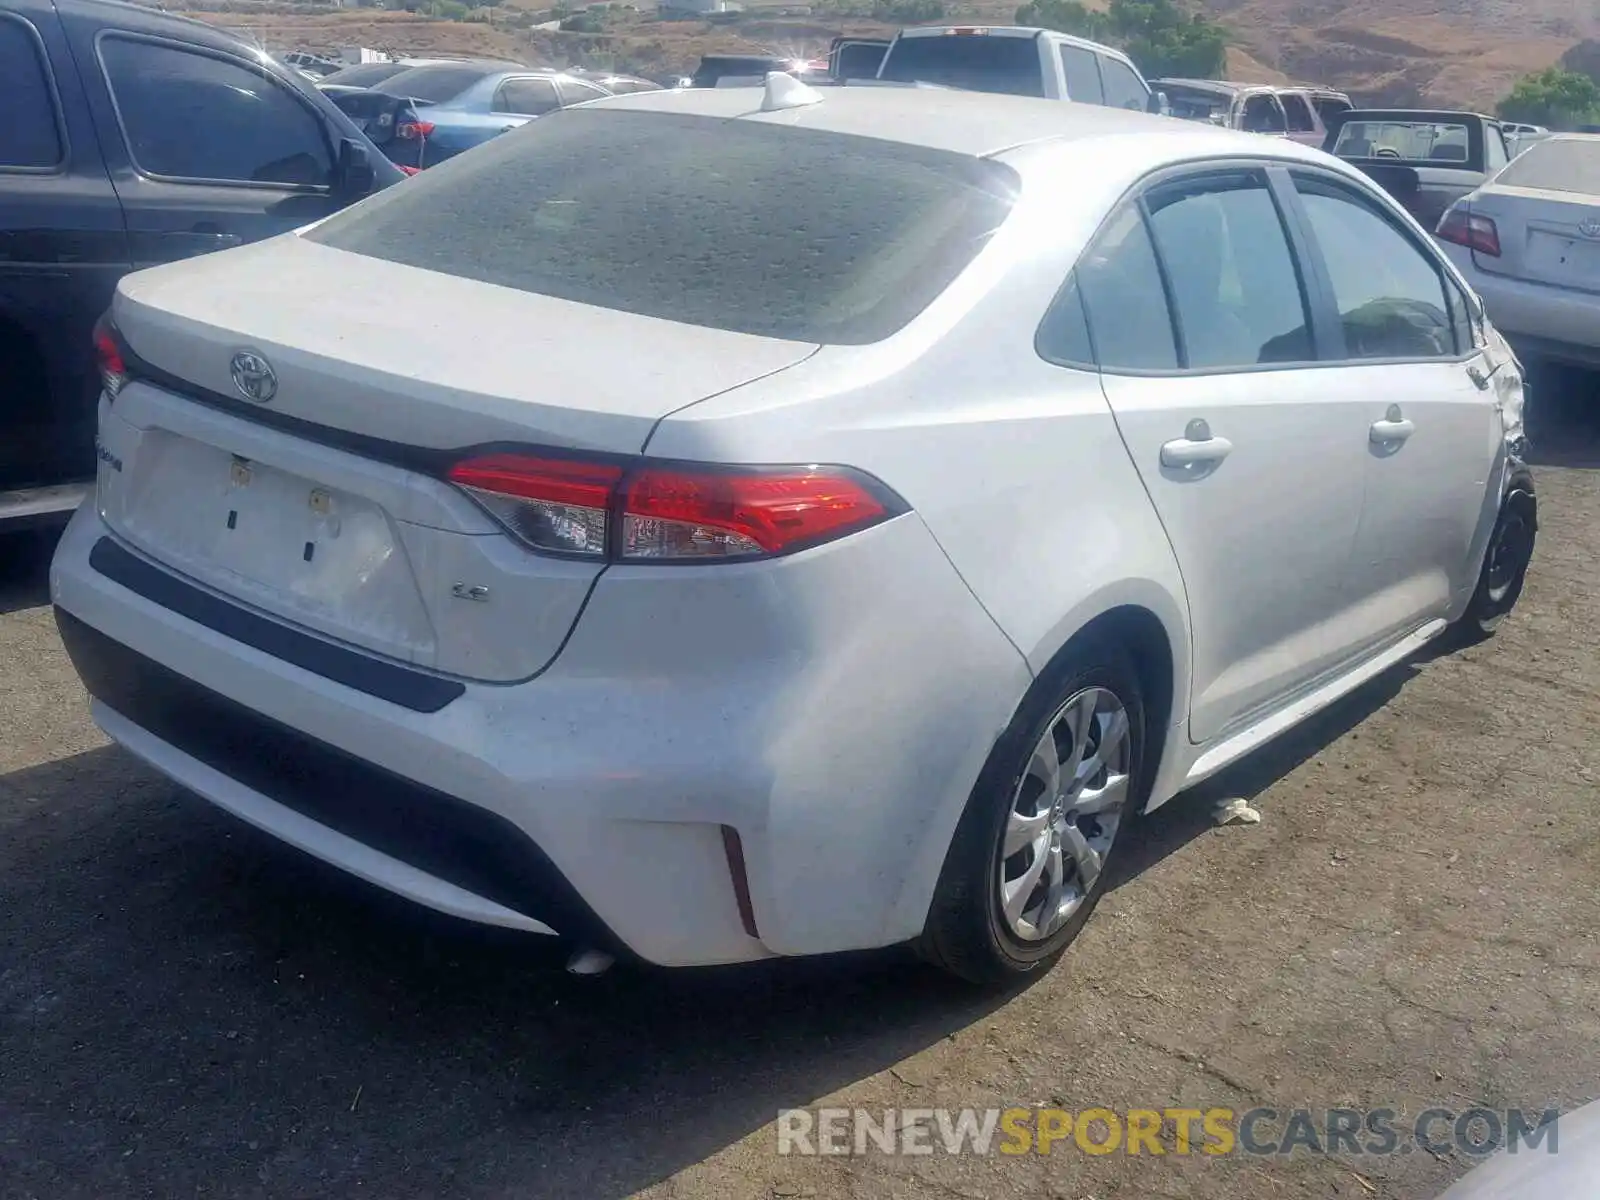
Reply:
x=1563 y=417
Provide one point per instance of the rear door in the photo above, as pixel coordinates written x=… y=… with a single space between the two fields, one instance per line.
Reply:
x=62 y=250
x=206 y=149
x=1410 y=366
x=1254 y=465
x=1081 y=69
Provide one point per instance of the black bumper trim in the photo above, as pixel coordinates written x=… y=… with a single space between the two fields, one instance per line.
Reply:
x=389 y=681
x=443 y=835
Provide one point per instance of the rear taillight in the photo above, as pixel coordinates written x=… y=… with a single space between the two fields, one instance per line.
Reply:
x=108 y=354
x=411 y=131
x=405 y=170
x=655 y=512
x=1467 y=228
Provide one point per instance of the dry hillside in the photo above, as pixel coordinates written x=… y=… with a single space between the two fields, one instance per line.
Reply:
x=1436 y=52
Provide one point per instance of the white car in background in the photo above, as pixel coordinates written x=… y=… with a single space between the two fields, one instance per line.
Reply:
x=1528 y=241
x=611 y=533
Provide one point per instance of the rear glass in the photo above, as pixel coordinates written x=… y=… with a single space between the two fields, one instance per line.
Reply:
x=700 y=221
x=1196 y=105
x=978 y=62
x=859 y=60
x=1562 y=165
x=365 y=74
x=1417 y=141
x=438 y=84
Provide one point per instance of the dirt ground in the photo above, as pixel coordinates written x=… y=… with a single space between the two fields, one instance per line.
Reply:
x=188 y=1010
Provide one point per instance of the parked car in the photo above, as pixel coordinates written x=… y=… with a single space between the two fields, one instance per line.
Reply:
x=1519 y=1172
x=1528 y=242
x=1329 y=102
x=714 y=68
x=507 y=601
x=856 y=57
x=1251 y=107
x=1426 y=160
x=1017 y=61
x=436 y=112
x=132 y=138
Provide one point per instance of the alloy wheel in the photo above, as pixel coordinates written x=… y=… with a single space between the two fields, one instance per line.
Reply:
x=1064 y=814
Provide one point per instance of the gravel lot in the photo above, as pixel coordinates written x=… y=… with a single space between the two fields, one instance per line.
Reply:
x=189 y=1010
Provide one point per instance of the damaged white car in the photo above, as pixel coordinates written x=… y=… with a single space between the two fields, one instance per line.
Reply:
x=612 y=533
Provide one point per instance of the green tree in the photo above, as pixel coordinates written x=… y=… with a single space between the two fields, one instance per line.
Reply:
x=1553 y=97
x=1161 y=37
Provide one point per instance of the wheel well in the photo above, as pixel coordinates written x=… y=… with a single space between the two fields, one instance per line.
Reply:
x=1140 y=632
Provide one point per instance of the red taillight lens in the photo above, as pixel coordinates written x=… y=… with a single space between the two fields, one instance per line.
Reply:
x=652 y=513
x=405 y=170
x=557 y=505
x=108 y=353
x=410 y=131
x=673 y=514
x=1467 y=228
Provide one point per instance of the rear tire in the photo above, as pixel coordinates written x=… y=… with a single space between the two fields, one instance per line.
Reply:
x=1505 y=569
x=1029 y=862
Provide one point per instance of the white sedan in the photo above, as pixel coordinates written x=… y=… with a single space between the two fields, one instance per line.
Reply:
x=730 y=523
x=1528 y=241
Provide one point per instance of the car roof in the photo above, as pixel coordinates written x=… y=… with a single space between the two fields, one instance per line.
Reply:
x=1017 y=31
x=974 y=123
x=1436 y=116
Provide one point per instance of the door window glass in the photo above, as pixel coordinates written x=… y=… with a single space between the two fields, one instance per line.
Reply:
x=1123 y=88
x=574 y=91
x=1262 y=115
x=1389 y=293
x=188 y=115
x=1083 y=75
x=1234 y=283
x=526 y=97
x=1495 y=154
x=1126 y=304
x=1298 y=112
x=29 y=135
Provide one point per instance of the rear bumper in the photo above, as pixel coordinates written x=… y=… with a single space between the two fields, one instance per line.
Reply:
x=1539 y=320
x=835 y=717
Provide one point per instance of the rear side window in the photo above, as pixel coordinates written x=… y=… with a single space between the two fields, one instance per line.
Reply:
x=575 y=91
x=526 y=97
x=191 y=116
x=1082 y=74
x=1298 y=113
x=1234 y=283
x=1124 y=298
x=30 y=135
x=1557 y=165
x=695 y=220
x=977 y=62
x=1123 y=88
x=1390 y=295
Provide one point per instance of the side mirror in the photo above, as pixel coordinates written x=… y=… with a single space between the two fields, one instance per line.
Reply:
x=354 y=176
x=1157 y=104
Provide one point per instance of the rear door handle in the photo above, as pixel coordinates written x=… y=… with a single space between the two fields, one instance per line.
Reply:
x=1197 y=445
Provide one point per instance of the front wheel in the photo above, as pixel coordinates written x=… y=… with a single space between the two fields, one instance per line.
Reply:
x=1029 y=858
x=1505 y=567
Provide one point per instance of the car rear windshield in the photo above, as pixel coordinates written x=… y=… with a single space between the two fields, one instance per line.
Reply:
x=978 y=62
x=365 y=74
x=1415 y=141
x=755 y=228
x=1196 y=104
x=1562 y=165
x=438 y=84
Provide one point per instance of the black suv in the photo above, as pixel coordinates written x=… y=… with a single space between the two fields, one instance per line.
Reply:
x=130 y=138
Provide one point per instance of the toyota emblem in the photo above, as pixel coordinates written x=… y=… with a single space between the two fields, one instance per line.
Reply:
x=254 y=377
x=1589 y=227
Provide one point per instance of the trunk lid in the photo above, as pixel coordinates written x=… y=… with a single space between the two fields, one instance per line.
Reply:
x=429 y=360
x=1542 y=236
x=376 y=550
